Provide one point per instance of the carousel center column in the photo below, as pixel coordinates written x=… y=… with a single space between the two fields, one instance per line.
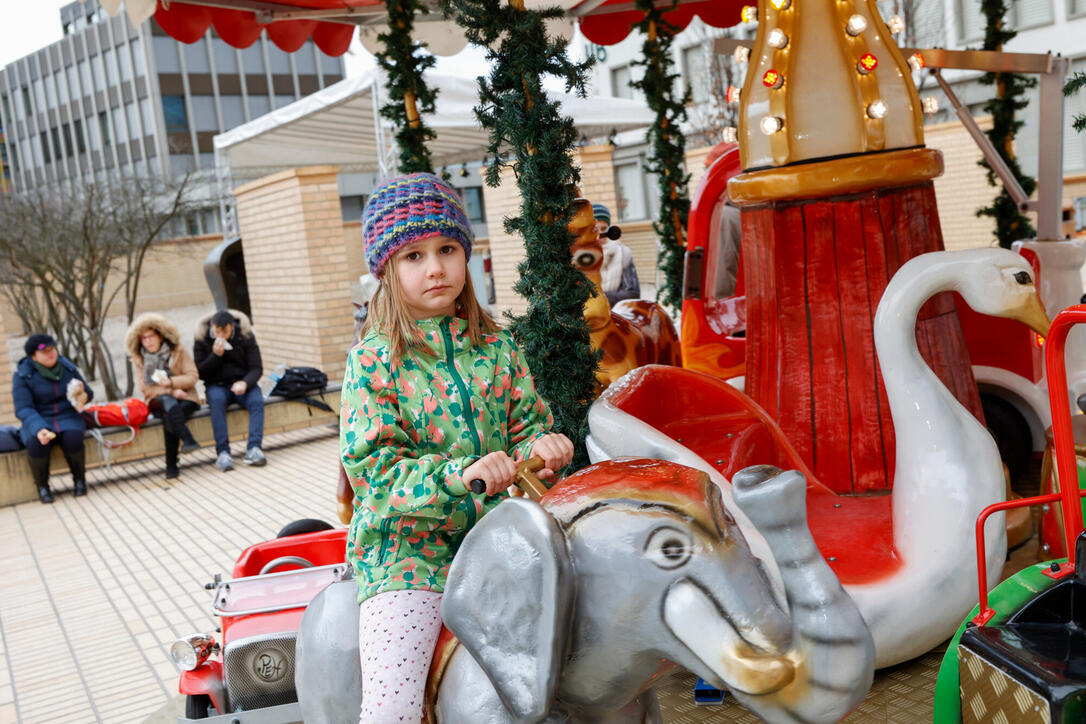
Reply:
x=835 y=196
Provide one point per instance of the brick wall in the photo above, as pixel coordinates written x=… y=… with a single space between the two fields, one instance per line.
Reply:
x=299 y=285
x=9 y=324
x=506 y=251
x=963 y=188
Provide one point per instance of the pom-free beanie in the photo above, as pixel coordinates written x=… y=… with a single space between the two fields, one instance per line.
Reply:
x=601 y=213
x=409 y=208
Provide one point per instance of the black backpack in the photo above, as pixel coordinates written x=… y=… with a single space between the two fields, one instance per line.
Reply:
x=299 y=383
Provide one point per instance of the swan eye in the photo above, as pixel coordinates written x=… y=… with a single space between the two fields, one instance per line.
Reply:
x=669 y=547
x=1023 y=277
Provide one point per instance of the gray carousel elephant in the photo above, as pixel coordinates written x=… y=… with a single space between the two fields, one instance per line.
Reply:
x=573 y=608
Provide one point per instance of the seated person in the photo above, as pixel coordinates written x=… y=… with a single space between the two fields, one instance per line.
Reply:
x=618 y=276
x=167 y=378
x=49 y=393
x=228 y=360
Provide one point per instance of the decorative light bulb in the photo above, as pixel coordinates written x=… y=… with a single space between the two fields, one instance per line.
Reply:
x=896 y=24
x=856 y=24
x=732 y=95
x=916 y=61
x=771 y=125
x=781 y=4
x=878 y=109
x=741 y=54
x=867 y=63
x=731 y=134
x=772 y=79
x=930 y=105
x=777 y=38
x=749 y=14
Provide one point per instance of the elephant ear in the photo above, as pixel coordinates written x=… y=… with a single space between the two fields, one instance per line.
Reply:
x=509 y=599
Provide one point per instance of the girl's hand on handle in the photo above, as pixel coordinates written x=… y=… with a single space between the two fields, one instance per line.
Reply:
x=496 y=469
x=556 y=450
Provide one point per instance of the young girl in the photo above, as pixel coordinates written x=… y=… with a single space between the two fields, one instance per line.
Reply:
x=434 y=396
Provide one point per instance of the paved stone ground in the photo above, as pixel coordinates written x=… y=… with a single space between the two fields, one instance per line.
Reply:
x=94 y=590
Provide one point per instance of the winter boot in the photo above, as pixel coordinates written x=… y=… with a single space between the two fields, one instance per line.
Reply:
x=40 y=468
x=188 y=442
x=76 y=463
x=172 y=443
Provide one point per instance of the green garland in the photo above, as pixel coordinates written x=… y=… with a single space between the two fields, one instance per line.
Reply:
x=528 y=133
x=668 y=159
x=403 y=60
x=1076 y=83
x=1011 y=223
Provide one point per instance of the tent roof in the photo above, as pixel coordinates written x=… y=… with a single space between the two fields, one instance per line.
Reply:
x=606 y=22
x=336 y=126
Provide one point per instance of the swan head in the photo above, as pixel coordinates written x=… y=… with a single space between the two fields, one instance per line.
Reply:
x=1000 y=283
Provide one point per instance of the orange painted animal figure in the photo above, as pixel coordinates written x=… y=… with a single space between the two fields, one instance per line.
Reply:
x=634 y=332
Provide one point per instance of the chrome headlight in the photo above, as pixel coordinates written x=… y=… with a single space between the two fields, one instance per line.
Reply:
x=191 y=651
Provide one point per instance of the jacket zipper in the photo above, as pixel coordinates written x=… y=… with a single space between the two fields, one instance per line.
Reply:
x=385 y=525
x=465 y=405
x=465 y=402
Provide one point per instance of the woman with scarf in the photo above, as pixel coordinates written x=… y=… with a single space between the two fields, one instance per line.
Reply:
x=167 y=378
x=49 y=393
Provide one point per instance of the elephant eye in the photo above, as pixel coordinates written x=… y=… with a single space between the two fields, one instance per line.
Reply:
x=1023 y=277
x=669 y=547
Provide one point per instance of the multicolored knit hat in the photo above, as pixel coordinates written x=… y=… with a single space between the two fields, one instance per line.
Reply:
x=601 y=213
x=409 y=208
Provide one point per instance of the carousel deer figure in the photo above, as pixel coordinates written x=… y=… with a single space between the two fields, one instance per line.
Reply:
x=634 y=332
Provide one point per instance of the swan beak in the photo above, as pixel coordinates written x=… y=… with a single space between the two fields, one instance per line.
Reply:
x=1032 y=314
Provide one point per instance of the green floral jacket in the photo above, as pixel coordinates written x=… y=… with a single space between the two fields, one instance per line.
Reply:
x=408 y=430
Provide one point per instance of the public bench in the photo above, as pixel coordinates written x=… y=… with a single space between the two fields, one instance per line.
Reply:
x=280 y=415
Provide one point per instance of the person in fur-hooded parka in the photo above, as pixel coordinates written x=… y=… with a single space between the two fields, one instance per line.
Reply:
x=167 y=375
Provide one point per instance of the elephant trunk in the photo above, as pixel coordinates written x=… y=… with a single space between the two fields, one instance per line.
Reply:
x=832 y=649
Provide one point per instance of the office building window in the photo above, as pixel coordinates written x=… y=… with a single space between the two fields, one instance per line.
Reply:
x=45 y=148
x=1022 y=14
x=203 y=113
x=232 y=113
x=258 y=106
x=62 y=86
x=103 y=129
x=138 y=59
x=630 y=185
x=28 y=107
x=696 y=73
x=278 y=60
x=620 y=82
x=72 y=76
x=281 y=101
x=125 y=63
x=473 y=204
x=330 y=65
x=69 y=149
x=252 y=58
x=85 y=77
x=56 y=141
x=80 y=143
x=306 y=63
x=112 y=73
x=7 y=110
x=1074 y=144
x=226 y=58
x=166 y=50
x=196 y=57
x=350 y=207
x=173 y=111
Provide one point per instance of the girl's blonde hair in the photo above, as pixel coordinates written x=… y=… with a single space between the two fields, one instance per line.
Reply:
x=388 y=314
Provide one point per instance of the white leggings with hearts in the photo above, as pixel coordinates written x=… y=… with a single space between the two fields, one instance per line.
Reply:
x=397 y=631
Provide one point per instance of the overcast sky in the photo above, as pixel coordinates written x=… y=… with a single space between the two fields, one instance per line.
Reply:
x=33 y=24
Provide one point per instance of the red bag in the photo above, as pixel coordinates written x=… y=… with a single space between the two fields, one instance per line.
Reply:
x=132 y=413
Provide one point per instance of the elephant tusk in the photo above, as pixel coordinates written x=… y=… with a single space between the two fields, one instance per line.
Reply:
x=696 y=619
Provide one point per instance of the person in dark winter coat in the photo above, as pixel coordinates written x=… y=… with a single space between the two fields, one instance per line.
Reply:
x=49 y=393
x=228 y=360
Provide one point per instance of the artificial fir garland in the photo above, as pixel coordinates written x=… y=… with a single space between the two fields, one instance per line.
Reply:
x=403 y=60
x=1076 y=82
x=1011 y=223
x=528 y=133
x=668 y=160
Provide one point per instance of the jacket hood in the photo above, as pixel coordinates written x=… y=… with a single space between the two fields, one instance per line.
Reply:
x=245 y=327
x=141 y=324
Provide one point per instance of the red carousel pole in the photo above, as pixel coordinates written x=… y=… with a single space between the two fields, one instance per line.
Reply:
x=835 y=197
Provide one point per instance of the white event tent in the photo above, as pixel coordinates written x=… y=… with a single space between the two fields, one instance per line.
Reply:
x=340 y=126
